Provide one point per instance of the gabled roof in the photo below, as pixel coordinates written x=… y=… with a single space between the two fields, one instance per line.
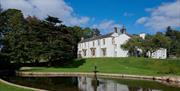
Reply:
x=96 y=37
x=100 y=37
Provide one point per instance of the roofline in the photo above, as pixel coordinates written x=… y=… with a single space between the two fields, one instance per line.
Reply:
x=100 y=37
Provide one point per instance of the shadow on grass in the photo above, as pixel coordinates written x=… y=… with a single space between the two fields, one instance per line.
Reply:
x=72 y=64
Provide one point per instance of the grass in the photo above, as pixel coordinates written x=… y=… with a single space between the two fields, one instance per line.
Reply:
x=5 y=87
x=131 y=65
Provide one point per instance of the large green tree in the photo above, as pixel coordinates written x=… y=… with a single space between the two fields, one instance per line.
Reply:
x=174 y=35
x=133 y=45
x=150 y=44
x=77 y=33
x=154 y=42
x=31 y=40
x=12 y=27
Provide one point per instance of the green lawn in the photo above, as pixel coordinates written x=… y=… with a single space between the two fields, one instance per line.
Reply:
x=5 y=87
x=131 y=65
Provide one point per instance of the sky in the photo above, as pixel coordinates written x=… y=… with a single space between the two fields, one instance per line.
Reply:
x=138 y=16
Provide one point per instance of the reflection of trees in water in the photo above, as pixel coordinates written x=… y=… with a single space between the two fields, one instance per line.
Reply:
x=146 y=89
x=138 y=89
x=133 y=88
x=87 y=84
x=52 y=84
x=66 y=81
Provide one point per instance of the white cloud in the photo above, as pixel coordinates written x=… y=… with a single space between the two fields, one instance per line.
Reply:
x=167 y=14
x=56 y=8
x=106 y=26
x=42 y=8
x=141 y=20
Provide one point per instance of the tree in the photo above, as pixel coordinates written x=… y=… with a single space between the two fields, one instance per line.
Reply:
x=12 y=20
x=53 y=20
x=12 y=27
x=96 y=32
x=55 y=42
x=150 y=44
x=155 y=42
x=87 y=32
x=133 y=45
x=31 y=40
x=174 y=35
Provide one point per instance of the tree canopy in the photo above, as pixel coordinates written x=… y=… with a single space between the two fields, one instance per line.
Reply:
x=151 y=43
x=174 y=35
x=30 y=40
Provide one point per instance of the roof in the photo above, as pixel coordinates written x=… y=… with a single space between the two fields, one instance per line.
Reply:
x=96 y=37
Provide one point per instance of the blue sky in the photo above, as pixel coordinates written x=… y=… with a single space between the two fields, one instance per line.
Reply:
x=124 y=12
x=137 y=16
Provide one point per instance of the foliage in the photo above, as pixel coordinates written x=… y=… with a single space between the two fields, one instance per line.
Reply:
x=53 y=20
x=132 y=45
x=154 y=42
x=12 y=27
x=87 y=32
x=174 y=35
x=96 y=32
x=32 y=40
x=151 y=43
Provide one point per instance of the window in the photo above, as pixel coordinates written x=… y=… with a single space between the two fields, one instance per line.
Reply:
x=104 y=51
x=93 y=43
x=79 y=54
x=98 y=42
x=84 y=52
x=113 y=40
x=93 y=51
x=104 y=42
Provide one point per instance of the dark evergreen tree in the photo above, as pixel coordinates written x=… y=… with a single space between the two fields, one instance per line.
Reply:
x=174 y=35
x=96 y=32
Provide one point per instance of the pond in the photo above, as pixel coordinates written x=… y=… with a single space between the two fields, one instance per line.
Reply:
x=89 y=84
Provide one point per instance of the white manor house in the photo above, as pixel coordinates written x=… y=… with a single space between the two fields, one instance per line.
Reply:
x=109 y=45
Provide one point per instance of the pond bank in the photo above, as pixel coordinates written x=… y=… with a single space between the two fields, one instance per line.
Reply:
x=20 y=86
x=168 y=80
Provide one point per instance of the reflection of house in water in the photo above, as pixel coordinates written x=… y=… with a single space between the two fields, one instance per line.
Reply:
x=85 y=84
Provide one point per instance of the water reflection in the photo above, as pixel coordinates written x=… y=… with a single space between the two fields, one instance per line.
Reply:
x=86 y=84
x=90 y=84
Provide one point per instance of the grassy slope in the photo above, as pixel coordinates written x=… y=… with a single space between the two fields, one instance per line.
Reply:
x=141 y=66
x=5 y=87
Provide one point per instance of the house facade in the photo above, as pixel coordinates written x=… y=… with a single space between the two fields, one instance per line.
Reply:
x=108 y=45
x=159 y=54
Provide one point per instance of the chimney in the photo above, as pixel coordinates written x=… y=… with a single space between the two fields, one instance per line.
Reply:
x=115 y=30
x=82 y=38
x=123 y=30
